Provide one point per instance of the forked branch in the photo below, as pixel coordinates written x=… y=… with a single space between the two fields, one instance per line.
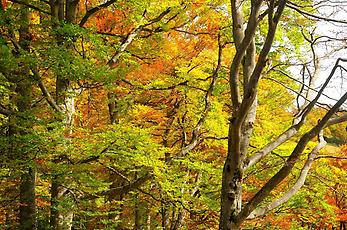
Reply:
x=298 y=184
x=290 y=132
x=289 y=164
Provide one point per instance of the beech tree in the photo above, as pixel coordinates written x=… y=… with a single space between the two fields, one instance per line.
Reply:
x=244 y=105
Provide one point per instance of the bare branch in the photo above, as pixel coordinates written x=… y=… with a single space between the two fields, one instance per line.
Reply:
x=92 y=11
x=303 y=84
x=313 y=16
x=45 y=91
x=192 y=33
x=133 y=34
x=298 y=184
x=30 y=6
x=112 y=34
x=132 y=185
x=333 y=157
x=288 y=166
x=5 y=111
x=298 y=122
x=96 y=157
x=309 y=107
x=337 y=120
x=215 y=138
x=168 y=87
x=318 y=104
x=159 y=17
x=196 y=131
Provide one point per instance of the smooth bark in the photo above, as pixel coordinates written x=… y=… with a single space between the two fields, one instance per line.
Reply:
x=64 y=101
x=298 y=184
x=240 y=127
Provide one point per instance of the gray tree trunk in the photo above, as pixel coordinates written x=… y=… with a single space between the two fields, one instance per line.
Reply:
x=62 y=219
x=244 y=106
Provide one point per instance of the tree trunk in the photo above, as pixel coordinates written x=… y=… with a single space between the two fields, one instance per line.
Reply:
x=27 y=210
x=138 y=213
x=164 y=217
x=27 y=216
x=117 y=182
x=231 y=200
x=231 y=196
x=54 y=205
x=61 y=215
x=244 y=106
x=148 y=221
x=62 y=218
x=177 y=223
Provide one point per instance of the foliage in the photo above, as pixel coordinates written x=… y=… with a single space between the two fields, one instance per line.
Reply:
x=160 y=69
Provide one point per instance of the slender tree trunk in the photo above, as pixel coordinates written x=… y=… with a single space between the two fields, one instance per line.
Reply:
x=27 y=210
x=27 y=217
x=62 y=219
x=54 y=205
x=112 y=108
x=177 y=220
x=8 y=220
x=231 y=200
x=148 y=221
x=164 y=217
x=115 y=211
x=138 y=213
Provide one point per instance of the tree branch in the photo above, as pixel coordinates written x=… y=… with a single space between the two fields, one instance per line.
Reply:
x=251 y=89
x=92 y=11
x=333 y=157
x=288 y=166
x=293 y=6
x=159 y=17
x=196 y=131
x=298 y=122
x=337 y=120
x=5 y=111
x=96 y=157
x=298 y=184
x=303 y=84
x=240 y=52
x=124 y=189
x=30 y=6
x=45 y=91
x=131 y=36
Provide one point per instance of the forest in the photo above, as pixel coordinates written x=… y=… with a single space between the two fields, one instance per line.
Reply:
x=158 y=114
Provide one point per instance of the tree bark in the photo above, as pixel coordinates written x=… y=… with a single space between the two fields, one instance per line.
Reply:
x=27 y=210
x=62 y=219
x=54 y=204
x=244 y=108
x=298 y=184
